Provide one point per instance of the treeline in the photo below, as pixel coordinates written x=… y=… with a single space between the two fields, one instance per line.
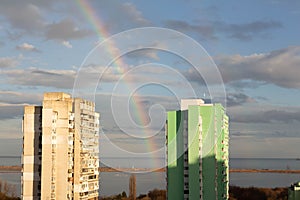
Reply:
x=252 y=193
x=7 y=191
x=235 y=193
x=152 y=195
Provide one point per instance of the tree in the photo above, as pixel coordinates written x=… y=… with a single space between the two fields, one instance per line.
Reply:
x=5 y=188
x=124 y=194
x=157 y=194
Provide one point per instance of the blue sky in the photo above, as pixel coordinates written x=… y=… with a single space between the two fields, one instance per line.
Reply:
x=255 y=45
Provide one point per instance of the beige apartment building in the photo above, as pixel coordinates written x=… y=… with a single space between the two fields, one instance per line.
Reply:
x=60 y=149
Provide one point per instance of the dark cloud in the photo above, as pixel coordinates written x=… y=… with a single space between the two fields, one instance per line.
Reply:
x=237 y=99
x=279 y=67
x=11 y=111
x=37 y=77
x=12 y=103
x=62 y=79
x=23 y=16
x=211 y=29
x=247 y=31
x=270 y=116
x=28 y=17
x=206 y=31
x=242 y=84
x=65 y=30
x=11 y=97
x=128 y=16
x=144 y=54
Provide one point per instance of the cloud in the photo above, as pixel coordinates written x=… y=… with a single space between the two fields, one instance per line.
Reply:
x=279 y=67
x=12 y=35
x=237 y=99
x=144 y=53
x=133 y=14
x=8 y=62
x=247 y=31
x=205 y=30
x=212 y=29
x=63 y=79
x=120 y=16
x=23 y=16
x=12 y=103
x=242 y=84
x=67 y=44
x=13 y=97
x=269 y=116
x=11 y=111
x=65 y=30
x=27 y=17
x=41 y=77
x=27 y=47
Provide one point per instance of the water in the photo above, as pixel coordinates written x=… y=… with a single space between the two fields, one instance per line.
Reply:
x=115 y=183
x=264 y=163
x=134 y=162
x=264 y=179
x=269 y=180
x=10 y=160
x=14 y=179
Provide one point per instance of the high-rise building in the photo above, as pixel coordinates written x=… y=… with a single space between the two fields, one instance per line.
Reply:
x=60 y=149
x=197 y=151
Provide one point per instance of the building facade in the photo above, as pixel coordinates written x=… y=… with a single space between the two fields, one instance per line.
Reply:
x=197 y=151
x=60 y=149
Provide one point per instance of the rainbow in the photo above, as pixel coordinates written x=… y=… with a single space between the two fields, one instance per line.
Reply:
x=118 y=65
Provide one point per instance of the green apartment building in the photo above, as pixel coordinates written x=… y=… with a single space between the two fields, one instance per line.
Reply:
x=197 y=152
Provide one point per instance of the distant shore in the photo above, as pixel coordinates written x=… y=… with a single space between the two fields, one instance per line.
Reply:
x=18 y=169
x=10 y=169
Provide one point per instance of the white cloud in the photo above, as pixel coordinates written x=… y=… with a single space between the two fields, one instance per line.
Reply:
x=27 y=47
x=67 y=44
x=8 y=62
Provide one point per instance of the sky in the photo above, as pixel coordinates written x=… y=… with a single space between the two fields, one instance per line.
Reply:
x=50 y=46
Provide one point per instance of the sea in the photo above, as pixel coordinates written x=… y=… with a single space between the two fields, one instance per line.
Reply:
x=117 y=182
